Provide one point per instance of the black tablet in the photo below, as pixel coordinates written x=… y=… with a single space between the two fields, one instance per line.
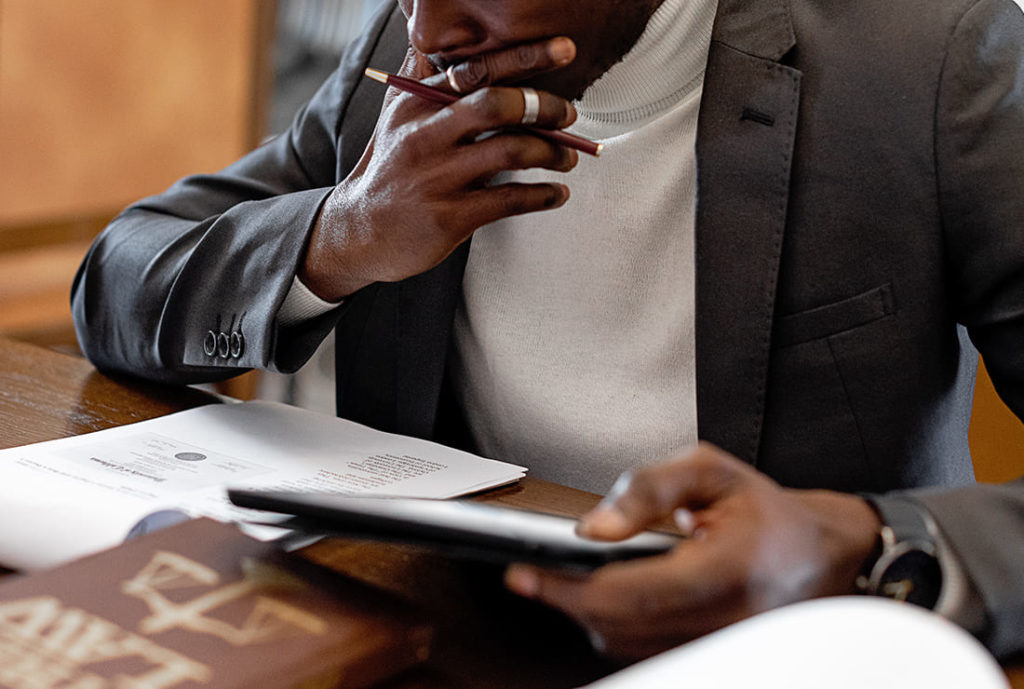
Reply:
x=457 y=527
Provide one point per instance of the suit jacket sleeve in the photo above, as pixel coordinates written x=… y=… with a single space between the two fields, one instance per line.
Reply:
x=980 y=153
x=217 y=253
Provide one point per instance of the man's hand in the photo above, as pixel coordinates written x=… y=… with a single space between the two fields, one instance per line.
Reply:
x=423 y=185
x=753 y=546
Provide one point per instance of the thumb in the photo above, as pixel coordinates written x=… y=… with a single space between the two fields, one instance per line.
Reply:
x=671 y=490
x=416 y=65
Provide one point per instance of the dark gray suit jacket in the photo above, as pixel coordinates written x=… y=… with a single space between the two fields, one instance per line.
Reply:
x=860 y=169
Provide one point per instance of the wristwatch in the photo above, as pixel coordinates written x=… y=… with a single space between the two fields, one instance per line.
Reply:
x=908 y=567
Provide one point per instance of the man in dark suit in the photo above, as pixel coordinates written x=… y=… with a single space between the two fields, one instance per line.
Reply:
x=798 y=269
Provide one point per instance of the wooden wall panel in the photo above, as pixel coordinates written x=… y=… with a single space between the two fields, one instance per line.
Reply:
x=997 y=436
x=105 y=101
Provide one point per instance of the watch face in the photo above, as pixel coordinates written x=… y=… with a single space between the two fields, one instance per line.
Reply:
x=913 y=576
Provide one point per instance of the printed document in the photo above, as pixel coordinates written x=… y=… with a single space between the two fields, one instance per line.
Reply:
x=66 y=498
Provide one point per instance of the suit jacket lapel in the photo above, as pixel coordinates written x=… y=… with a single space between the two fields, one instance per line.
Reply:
x=392 y=343
x=744 y=152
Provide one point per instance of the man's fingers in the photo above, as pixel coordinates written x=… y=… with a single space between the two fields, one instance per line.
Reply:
x=466 y=120
x=641 y=499
x=510 y=65
x=497 y=107
x=557 y=589
x=505 y=200
x=476 y=165
x=627 y=607
x=571 y=595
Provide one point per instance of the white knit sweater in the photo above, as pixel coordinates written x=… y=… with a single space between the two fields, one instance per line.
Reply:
x=574 y=337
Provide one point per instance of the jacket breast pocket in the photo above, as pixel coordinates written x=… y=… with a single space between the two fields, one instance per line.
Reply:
x=835 y=318
x=823 y=359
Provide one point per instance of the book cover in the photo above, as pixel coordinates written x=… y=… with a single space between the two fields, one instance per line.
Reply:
x=199 y=605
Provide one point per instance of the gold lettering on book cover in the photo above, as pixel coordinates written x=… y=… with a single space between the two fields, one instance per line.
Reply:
x=45 y=645
x=269 y=619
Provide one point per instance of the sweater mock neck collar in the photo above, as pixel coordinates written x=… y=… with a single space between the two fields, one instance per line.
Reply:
x=666 y=64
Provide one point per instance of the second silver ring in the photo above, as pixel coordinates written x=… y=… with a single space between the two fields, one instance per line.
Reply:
x=531 y=106
x=451 y=79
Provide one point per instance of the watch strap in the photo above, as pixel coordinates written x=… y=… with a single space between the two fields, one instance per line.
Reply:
x=906 y=518
x=907 y=567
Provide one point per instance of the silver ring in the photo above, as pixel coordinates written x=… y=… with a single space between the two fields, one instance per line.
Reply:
x=531 y=106
x=451 y=79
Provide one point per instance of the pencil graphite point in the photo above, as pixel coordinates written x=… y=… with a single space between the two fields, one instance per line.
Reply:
x=376 y=74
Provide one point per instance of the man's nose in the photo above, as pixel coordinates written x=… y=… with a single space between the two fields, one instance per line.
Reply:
x=442 y=26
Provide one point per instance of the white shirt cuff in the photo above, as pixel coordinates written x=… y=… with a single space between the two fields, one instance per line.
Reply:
x=300 y=304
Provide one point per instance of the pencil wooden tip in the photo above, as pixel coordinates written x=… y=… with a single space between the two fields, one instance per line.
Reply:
x=597 y=153
x=380 y=76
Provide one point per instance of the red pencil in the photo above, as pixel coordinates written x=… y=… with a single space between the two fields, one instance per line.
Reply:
x=438 y=96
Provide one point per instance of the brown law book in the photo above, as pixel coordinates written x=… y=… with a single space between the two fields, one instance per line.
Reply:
x=199 y=605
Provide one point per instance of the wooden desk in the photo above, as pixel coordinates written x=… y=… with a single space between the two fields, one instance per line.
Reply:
x=485 y=636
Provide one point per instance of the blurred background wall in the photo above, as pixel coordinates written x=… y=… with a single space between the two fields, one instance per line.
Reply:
x=103 y=102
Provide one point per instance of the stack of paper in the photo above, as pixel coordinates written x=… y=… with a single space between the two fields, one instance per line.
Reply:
x=66 y=498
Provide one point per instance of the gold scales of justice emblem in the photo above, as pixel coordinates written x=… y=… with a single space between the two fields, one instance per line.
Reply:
x=268 y=619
